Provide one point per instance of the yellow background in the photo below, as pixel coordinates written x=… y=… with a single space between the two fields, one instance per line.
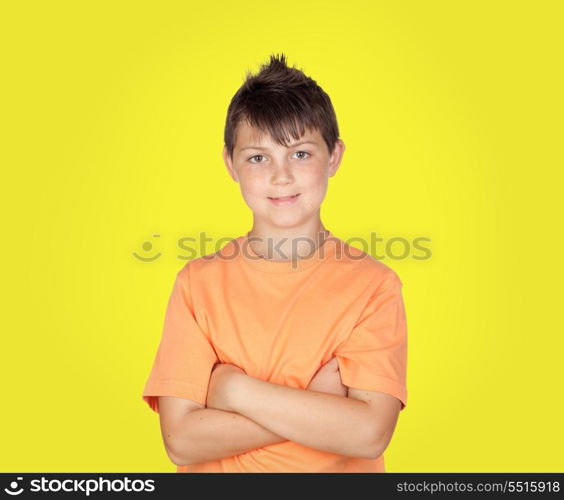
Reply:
x=112 y=129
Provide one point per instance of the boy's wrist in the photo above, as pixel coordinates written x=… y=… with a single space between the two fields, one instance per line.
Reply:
x=236 y=386
x=223 y=386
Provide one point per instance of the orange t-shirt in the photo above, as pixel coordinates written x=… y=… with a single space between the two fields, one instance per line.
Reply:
x=279 y=321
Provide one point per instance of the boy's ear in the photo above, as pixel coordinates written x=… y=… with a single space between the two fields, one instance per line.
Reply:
x=336 y=157
x=229 y=164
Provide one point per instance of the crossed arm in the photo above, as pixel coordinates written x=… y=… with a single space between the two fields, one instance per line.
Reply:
x=245 y=413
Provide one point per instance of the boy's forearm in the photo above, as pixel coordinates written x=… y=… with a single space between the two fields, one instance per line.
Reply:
x=210 y=434
x=315 y=419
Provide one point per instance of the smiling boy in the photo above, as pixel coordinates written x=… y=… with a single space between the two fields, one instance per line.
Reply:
x=286 y=351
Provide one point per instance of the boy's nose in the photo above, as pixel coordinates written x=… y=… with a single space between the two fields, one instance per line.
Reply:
x=282 y=175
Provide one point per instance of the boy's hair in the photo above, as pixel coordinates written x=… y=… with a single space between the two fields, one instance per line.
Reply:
x=279 y=100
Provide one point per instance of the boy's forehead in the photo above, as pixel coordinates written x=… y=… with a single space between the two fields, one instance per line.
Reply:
x=250 y=136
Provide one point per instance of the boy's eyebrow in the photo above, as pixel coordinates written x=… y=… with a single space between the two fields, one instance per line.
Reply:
x=290 y=146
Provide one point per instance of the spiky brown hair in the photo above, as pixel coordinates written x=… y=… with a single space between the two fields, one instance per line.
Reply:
x=281 y=101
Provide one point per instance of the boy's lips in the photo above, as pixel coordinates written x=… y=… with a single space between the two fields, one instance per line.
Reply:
x=284 y=200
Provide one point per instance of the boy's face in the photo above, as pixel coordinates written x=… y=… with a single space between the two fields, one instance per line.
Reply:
x=265 y=170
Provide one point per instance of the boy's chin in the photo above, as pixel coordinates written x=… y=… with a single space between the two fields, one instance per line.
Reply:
x=282 y=221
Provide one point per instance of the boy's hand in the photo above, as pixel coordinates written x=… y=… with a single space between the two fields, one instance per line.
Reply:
x=328 y=379
x=220 y=385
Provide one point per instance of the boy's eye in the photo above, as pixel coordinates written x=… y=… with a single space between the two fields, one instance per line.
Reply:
x=256 y=156
x=304 y=152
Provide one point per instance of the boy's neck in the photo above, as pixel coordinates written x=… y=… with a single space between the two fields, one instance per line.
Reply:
x=288 y=247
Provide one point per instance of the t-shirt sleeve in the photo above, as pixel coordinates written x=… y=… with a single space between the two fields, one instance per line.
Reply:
x=185 y=356
x=374 y=357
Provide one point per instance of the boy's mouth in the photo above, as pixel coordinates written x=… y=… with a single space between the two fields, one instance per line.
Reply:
x=284 y=200
x=284 y=197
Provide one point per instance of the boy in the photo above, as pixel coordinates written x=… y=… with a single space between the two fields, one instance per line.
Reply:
x=286 y=351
